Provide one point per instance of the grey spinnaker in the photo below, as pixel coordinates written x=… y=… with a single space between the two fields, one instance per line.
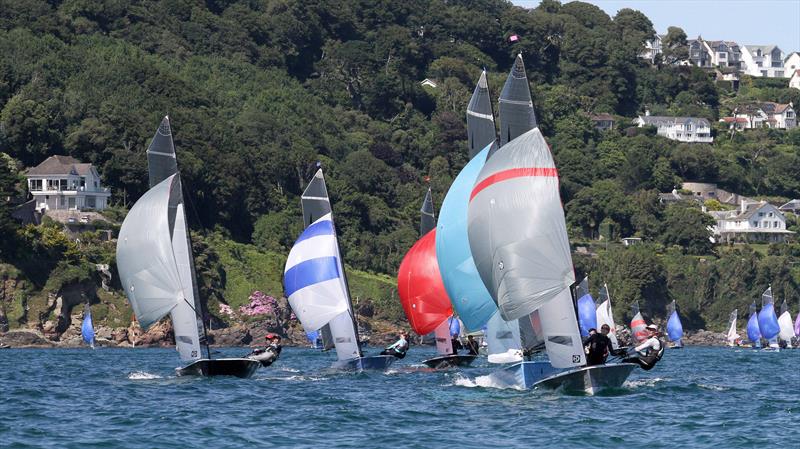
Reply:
x=516 y=106
x=480 y=118
x=161 y=159
x=427 y=221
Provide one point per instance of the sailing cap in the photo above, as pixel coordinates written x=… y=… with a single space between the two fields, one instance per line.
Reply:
x=652 y=327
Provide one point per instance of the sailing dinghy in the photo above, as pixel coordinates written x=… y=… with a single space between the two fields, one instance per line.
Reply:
x=423 y=296
x=87 y=328
x=518 y=238
x=785 y=321
x=156 y=268
x=316 y=284
x=674 y=326
x=732 y=336
x=768 y=321
x=753 y=331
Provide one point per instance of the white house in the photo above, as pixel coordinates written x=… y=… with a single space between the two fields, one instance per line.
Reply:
x=762 y=60
x=765 y=114
x=791 y=64
x=794 y=81
x=682 y=129
x=64 y=183
x=699 y=53
x=723 y=53
x=652 y=48
x=751 y=222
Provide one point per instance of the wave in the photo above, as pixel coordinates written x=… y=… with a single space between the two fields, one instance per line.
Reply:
x=141 y=375
x=480 y=381
x=643 y=382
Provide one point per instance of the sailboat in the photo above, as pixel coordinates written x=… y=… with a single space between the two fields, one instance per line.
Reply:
x=87 y=329
x=518 y=238
x=674 y=326
x=638 y=326
x=785 y=322
x=587 y=311
x=732 y=336
x=316 y=283
x=768 y=321
x=606 y=316
x=753 y=332
x=156 y=268
x=424 y=297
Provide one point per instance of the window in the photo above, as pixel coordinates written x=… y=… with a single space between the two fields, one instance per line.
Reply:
x=62 y=184
x=90 y=203
x=763 y=73
x=36 y=185
x=779 y=73
x=688 y=127
x=755 y=224
x=775 y=225
x=758 y=63
x=761 y=214
x=71 y=203
x=83 y=181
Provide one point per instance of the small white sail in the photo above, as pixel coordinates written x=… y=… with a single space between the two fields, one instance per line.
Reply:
x=561 y=332
x=732 y=334
x=185 y=316
x=444 y=344
x=787 y=330
x=605 y=315
x=503 y=340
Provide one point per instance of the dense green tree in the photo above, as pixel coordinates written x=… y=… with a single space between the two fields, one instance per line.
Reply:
x=687 y=227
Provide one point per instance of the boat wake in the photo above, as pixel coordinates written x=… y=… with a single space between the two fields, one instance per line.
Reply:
x=479 y=381
x=141 y=375
x=643 y=382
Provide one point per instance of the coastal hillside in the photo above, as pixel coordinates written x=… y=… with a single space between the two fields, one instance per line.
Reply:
x=262 y=92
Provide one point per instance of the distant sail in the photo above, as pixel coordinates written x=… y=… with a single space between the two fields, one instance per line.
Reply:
x=785 y=322
x=516 y=106
x=518 y=238
x=87 y=328
x=420 y=287
x=767 y=320
x=161 y=160
x=459 y=275
x=480 y=119
x=606 y=316
x=427 y=221
x=587 y=312
x=753 y=332
x=797 y=325
x=732 y=335
x=638 y=326
x=674 y=326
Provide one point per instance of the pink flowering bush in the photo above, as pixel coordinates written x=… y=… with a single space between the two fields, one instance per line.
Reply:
x=225 y=310
x=260 y=304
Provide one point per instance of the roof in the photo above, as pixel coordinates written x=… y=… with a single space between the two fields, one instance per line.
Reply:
x=764 y=48
x=602 y=116
x=791 y=205
x=715 y=44
x=790 y=55
x=767 y=107
x=61 y=165
x=664 y=120
x=733 y=119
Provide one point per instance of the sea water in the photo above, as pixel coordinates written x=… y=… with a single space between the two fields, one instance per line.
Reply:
x=131 y=398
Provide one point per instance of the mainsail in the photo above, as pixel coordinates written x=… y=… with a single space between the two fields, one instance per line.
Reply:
x=587 y=314
x=785 y=322
x=753 y=331
x=87 y=329
x=732 y=335
x=187 y=316
x=427 y=221
x=480 y=119
x=674 y=326
x=516 y=106
x=638 y=326
x=767 y=320
x=606 y=316
x=503 y=340
x=518 y=237
x=460 y=277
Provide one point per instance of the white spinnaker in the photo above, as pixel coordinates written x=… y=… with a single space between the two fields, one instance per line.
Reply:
x=732 y=334
x=444 y=345
x=605 y=316
x=185 y=319
x=145 y=259
x=503 y=340
x=344 y=336
x=787 y=327
x=561 y=332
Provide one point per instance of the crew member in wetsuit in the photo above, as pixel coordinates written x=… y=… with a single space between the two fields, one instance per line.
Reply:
x=472 y=345
x=649 y=352
x=597 y=346
x=456 y=344
x=270 y=353
x=398 y=348
x=275 y=345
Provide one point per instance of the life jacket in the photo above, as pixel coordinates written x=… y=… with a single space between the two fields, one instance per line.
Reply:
x=652 y=357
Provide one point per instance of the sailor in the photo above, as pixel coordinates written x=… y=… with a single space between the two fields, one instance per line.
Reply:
x=649 y=352
x=597 y=346
x=472 y=345
x=275 y=345
x=456 y=344
x=398 y=348
x=270 y=353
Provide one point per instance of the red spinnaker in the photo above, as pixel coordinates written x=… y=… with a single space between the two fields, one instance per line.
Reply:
x=420 y=286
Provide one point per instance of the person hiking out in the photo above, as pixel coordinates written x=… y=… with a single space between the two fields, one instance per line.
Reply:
x=399 y=348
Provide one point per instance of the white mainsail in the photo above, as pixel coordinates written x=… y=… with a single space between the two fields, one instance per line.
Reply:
x=503 y=340
x=605 y=315
x=732 y=335
x=785 y=322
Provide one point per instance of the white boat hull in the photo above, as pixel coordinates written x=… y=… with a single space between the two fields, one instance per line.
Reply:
x=589 y=380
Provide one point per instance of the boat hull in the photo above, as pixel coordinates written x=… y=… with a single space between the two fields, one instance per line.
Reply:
x=589 y=379
x=238 y=367
x=360 y=364
x=449 y=361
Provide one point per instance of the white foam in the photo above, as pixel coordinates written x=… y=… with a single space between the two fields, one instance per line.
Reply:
x=141 y=375
x=480 y=381
x=643 y=382
x=713 y=387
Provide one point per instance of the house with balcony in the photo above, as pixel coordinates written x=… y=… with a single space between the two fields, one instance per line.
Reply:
x=763 y=60
x=699 y=53
x=682 y=129
x=750 y=222
x=764 y=114
x=723 y=53
x=65 y=183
